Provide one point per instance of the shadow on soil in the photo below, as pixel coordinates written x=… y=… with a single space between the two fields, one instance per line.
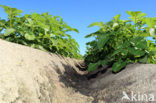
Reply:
x=80 y=83
x=71 y=78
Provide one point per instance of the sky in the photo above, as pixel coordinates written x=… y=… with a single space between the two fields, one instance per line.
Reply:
x=81 y=13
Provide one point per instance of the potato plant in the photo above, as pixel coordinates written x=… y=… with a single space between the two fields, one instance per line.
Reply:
x=42 y=31
x=121 y=42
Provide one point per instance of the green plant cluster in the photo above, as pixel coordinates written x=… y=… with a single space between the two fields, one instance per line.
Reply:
x=121 y=42
x=42 y=31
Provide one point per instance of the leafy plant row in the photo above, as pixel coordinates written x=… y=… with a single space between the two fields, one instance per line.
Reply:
x=42 y=31
x=121 y=42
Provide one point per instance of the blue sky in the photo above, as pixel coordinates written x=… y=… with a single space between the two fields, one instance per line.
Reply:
x=80 y=13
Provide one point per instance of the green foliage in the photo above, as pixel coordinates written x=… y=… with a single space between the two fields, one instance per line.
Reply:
x=118 y=65
x=121 y=42
x=42 y=31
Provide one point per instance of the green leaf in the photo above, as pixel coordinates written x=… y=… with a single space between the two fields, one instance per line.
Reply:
x=135 y=15
x=9 y=31
x=151 y=22
x=102 y=41
x=104 y=62
x=116 y=52
x=136 y=40
x=91 y=35
x=42 y=31
x=74 y=29
x=126 y=42
x=136 y=52
x=141 y=44
x=92 y=66
x=11 y=11
x=117 y=18
x=42 y=48
x=124 y=52
x=125 y=45
x=143 y=60
x=100 y=24
x=29 y=36
x=117 y=66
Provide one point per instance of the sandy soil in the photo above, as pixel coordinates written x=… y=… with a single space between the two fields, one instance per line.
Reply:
x=29 y=75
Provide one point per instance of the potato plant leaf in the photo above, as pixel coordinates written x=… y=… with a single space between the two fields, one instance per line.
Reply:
x=100 y=24
x=42 y=31
x=120 y=42
x=92 y=66
x=29 y=36
x=136 y=52
x=102 y=41
x=117 y=66
x=9 y=31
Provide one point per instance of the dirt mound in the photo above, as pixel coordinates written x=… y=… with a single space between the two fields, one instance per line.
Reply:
x=29 y=75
